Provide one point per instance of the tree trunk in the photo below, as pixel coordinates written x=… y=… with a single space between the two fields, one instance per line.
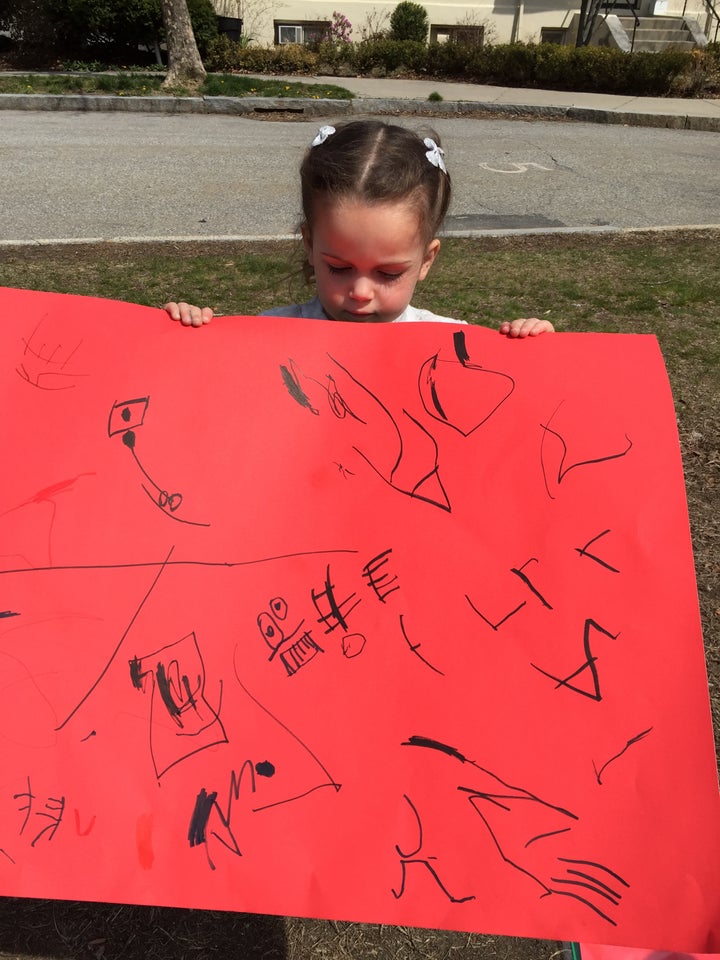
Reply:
x=184 y=63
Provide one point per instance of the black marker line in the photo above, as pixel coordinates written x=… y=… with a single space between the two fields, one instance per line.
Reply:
x=495 y=626
x=583 y=551
x=595 y=882
x=526 y=580
x=430 y=743
x=414 y=648
x=8 y=613
x=588 y=886
x=551 y=833
x=417 y=850
x=599 y=866
x=631 y=741
x=460 y=347
x=332 y=783
x=566 y=893
x=119 y=644
x=562 y=470
x=178 y=563
x=193 y=523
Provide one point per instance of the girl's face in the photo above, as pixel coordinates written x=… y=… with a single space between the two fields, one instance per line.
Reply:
x=367 y=258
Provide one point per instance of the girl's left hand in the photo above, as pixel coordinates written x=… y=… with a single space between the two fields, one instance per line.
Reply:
x=188 y=314
x=526 y=327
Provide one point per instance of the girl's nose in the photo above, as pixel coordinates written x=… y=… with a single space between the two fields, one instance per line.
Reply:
x=361 y=289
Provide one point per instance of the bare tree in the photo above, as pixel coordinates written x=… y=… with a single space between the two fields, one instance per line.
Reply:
x=184 y=63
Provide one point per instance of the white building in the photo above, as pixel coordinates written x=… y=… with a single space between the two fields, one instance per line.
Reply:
x=499 y=21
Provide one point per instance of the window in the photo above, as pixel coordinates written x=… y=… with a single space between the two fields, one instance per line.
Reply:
x=289 y=34
x=552 y=35
x=306 y=31
x=457 y=33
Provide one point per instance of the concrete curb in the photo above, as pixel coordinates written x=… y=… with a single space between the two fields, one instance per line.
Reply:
x=585 y=231
x=311 y=108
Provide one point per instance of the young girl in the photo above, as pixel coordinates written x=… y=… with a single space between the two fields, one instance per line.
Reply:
x=374 y=196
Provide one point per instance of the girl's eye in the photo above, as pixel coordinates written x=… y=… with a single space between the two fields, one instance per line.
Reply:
x=390 y=276
x=333 y=269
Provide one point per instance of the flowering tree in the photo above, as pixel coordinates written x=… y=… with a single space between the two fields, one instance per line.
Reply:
x=339 y=29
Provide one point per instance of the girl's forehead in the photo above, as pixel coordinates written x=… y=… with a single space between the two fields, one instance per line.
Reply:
x=398 y=217
x=385 y=232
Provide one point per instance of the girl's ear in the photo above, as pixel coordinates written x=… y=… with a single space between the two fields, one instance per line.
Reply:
x=430 y=254
x=307 y=242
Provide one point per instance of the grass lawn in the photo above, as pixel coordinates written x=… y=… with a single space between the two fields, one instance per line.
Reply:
x=148 y=84
x=666 y=284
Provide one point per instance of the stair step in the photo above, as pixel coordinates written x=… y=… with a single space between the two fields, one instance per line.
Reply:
x=654 y=45
x=654 y=23
x=666 y=36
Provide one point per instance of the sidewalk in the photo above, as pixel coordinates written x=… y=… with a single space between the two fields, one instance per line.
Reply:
x=393 y=97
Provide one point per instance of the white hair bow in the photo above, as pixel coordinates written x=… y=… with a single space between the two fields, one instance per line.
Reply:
x=322 y=135
x=435 y=154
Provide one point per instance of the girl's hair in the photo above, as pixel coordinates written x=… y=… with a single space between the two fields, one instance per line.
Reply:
x=375 y=162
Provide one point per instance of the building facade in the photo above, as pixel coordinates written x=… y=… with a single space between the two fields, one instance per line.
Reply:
x=496 y=21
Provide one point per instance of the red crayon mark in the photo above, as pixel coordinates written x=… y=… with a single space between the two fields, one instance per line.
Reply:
x=143 y=838
x=88 y=828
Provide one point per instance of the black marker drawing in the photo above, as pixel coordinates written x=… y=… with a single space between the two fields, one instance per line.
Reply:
x=518 y=572
x=596 y=882
x=553 y=465
x=207 y=806
x=293 y=653
x=269 y=625
x=103 y=672
x=584 y=552
x=125 y=418
x=318 y=776
x=378 y=579
x=333 y=613
x=53 y=811
x=508 y=813
x=411 y=858
x=405 y=458
x=591 y=689
x=461 y=394
x=415 y=648
x=633 y=740
x=209 y=820
x=8 y=613
x=352 y=645
x=174 y=678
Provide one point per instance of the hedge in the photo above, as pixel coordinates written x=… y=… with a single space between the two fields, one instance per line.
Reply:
x=549 y=66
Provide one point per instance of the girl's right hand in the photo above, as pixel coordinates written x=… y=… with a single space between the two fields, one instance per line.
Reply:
x=189 y=315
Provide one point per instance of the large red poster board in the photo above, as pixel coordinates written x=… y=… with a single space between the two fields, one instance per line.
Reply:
x=392 y=623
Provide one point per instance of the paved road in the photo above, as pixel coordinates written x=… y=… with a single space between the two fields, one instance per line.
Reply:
x=103 y=175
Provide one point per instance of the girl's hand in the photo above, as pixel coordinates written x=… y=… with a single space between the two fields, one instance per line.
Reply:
x=526 y=327
x=189 y=315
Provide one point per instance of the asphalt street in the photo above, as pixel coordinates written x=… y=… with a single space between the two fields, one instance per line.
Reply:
x=128 y=175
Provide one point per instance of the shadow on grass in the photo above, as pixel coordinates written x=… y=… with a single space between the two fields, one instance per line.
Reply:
x=59 y=930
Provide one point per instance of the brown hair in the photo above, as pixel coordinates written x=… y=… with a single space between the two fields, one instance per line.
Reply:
x=375 y=162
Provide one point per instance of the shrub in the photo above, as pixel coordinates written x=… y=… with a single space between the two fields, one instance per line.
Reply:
x=409 y=21
x=389 y=55
x=228 y=56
